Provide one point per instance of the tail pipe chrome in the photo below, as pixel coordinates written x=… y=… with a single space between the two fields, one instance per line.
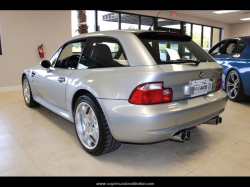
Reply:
x=181 y=136
x=188 y=134
x=216 y=120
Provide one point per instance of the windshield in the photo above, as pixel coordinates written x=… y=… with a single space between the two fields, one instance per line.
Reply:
x=167 y=48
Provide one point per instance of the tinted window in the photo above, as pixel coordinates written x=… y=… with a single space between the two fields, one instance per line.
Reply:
x=70 y=55
x=165 y=47
x=230 y=47
x=216 y=49
x=102 y=52
x=239 y=47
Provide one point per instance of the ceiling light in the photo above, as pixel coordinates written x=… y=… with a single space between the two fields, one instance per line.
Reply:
x=225 y=11
x=244 y=19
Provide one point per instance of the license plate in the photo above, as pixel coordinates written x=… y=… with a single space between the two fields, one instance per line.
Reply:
x=200 y=87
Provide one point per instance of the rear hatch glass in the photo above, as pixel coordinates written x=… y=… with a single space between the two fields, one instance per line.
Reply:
x=183 y=63
x=166 y=47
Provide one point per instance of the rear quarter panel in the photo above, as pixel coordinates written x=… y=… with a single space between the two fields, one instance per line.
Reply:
x=111 y=83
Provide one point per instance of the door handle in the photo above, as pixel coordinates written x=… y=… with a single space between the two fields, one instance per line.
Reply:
x=61 y=79
x=228 y=58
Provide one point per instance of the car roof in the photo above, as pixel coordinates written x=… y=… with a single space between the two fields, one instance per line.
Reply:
x=114 y=32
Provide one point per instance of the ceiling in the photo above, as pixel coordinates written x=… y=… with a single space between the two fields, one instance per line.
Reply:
x=231 y=18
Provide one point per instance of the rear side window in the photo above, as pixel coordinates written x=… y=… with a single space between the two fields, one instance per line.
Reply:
x=239 y=47
x=102 y=52
x=165 y=47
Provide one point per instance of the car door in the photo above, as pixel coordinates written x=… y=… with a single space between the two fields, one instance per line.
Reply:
x=52 y=82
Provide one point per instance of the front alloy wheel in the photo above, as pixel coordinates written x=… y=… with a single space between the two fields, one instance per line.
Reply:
x=26 y=91
x=27 y=94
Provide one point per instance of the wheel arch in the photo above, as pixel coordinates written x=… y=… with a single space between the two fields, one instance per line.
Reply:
x=24 y=74
x=77 y=94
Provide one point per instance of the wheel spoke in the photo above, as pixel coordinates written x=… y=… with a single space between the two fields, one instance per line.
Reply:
x=236 y=81
x=230 y=84
x=87 y=125
x=232 y=77
x=235 y=92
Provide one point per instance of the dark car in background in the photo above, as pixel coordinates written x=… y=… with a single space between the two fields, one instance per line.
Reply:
x=233 y=54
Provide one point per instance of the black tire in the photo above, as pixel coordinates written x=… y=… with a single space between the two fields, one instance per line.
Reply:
x=240 y=96
x=106 y=143
x=31 y=103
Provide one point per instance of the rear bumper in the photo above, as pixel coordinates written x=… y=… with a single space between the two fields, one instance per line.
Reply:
x=152 y=123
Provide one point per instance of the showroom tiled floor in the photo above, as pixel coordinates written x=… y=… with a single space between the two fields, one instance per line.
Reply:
x=37 y=142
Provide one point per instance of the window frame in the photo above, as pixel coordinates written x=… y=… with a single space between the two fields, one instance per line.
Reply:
x=217 y=45
x=64 y=45
x=239 y=40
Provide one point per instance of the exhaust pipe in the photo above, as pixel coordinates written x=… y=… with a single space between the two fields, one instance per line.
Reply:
x=214 y=120
x=188 y=134
x=181 y=136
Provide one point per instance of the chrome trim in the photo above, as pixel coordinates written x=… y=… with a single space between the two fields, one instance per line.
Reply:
x=188 y=89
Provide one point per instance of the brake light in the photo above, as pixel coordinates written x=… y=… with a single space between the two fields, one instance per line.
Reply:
x=219 y=83
x=151 y=93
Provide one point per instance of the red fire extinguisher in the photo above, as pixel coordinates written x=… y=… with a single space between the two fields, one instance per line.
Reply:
x=41 y=51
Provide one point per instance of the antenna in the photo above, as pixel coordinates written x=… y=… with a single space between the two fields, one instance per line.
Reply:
x=154 y=21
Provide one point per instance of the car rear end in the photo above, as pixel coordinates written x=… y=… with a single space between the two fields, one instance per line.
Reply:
x=189 y=93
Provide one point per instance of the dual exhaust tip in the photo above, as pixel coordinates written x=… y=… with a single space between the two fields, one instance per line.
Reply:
x=181 y=136
x=214 y=121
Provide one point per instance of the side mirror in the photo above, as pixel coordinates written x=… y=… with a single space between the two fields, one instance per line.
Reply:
x=45 y=64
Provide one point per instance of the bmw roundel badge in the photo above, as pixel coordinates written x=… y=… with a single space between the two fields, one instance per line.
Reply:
x=201 y=74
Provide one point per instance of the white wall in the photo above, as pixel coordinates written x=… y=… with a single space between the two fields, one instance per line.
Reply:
x=22 y=33
x=186 y=18
x=240 y=29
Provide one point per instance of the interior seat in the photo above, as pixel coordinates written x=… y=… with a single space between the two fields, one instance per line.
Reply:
x=102 y=57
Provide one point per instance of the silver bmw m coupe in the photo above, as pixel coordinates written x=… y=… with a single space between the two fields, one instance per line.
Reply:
x=128 y=86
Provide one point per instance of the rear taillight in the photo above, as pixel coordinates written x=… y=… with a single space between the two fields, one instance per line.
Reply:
x=219 y=83
x=151 y=93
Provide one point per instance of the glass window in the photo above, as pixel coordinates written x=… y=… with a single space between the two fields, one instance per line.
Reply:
x=107 y=21
x=239 y=47
x=216 y=49
x=129 y=21
x=230 y=47
x=216 y=36
x=90 y=21
x=146 y=22
x=166 y=47
x=53 y=59
x=206 y=37
x=173 y=24
x=90 y=16
x=74 y=23
x=103 y=52
x=70 y=55
x=188 y=29
x=197 y=34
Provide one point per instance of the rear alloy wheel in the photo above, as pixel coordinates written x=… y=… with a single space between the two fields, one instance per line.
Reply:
x=234 y=86
x=27 y=94
x=92 y=129
x=87 y=127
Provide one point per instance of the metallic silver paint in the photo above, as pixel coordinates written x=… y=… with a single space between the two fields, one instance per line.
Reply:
x=113 y=86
